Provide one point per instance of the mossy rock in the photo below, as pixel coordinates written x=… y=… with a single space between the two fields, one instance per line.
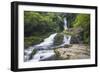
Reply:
x=58 y=40
x=34 y=52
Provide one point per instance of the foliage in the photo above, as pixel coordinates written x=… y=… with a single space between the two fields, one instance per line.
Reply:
x=28 y=41
x=70 y=19
x=83 y=21
x=39 y=25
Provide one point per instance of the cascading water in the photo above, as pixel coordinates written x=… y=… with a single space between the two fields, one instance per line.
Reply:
x=42 y=48
x=67 y=38
x=48 y=42
x=65 y=24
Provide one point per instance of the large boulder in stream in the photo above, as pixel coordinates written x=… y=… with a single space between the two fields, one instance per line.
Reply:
x=58 y=40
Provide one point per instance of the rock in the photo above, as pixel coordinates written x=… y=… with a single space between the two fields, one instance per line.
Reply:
x=76 y=40
x=58 y=40
x=74 y=52
x=67 y=45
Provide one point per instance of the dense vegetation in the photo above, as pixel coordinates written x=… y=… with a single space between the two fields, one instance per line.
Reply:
x=39 y=25
x=83 y=21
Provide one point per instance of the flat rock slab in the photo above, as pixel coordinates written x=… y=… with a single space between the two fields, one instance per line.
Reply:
x=76 y=51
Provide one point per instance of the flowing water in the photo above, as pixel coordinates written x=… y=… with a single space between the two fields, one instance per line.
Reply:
x=42 y=48
x=65 y=24
x=45 y=49
x=67 y=38
x=47 y=43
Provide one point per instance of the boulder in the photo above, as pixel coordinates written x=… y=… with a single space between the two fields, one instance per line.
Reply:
x=76 y=51
x=58 y=40
x=76 y=40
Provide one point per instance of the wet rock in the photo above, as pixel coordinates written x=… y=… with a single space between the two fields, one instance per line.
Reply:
x=58 y=40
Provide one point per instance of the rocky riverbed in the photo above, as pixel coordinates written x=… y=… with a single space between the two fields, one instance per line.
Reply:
x=75 y=51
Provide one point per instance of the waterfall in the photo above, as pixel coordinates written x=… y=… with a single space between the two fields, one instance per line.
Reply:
x=43 y=52
x=67 y=38
x=48 y=42
x=65 y=24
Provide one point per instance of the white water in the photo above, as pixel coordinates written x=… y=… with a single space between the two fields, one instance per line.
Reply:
x=48 y=42
x=65 y=24
x=41 y=54
x=27 y=53
x=66 y=39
